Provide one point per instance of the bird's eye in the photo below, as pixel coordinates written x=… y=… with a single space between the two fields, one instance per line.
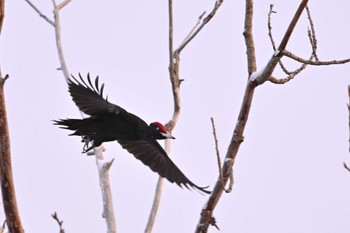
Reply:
x=157 y=128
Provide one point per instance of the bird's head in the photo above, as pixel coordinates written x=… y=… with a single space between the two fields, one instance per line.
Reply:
x=158 y=131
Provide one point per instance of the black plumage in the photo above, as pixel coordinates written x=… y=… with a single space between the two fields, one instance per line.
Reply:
x=109 y=122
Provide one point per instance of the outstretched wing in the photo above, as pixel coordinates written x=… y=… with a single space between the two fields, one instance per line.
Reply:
x=89 y=97
x=153 y=155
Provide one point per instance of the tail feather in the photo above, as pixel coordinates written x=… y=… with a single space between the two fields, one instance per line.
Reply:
x=81 y=127
x=90 y=129
x=76 y=125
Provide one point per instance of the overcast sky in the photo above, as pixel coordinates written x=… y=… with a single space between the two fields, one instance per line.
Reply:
x=288 y=173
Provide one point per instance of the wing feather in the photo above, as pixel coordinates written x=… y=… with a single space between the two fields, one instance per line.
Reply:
x=89 y=98
x=150 y=153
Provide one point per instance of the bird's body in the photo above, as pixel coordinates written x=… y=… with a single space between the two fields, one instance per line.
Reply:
x=109 y=122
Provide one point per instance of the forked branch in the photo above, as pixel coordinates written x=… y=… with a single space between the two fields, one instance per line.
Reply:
x=316 y=63
x=174 y=74
x=219 y=160
x=59 y=222
x=255 y=78
x=313 y=60
x=103 y=166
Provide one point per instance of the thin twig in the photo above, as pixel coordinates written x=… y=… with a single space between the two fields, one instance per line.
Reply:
x=269 y=27
x=218 y=156
x=40 y=13
x=204 y=22
x=59 y=222
x=188 y=37
x=315 y=63
x=289 y=77
x=312 y=34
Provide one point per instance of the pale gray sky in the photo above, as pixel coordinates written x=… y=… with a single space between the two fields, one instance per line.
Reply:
x=288 y=173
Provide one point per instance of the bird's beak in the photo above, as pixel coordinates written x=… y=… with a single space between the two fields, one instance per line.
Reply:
x=167 y=135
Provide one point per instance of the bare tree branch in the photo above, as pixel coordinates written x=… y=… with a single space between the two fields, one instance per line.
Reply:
x=155 y=205
x=63 y=4
x=103 y=167
x=310 y=62
x=263 y=75
x=206 y=217
x=59 y=222
x=6 y=178
x=313 y=42
x=219 y=160
x=312 y=34
x=171 y=124
x=107 y=199
x=284 y=69
x=188 y=37
x=7 y=185
x=174 y=74
x=63 y=67
x=292 y=24
x=248 y=36
x=289 y=77
x=204 y=22
x=40 y=14
x=269 y=27
x=313 y=60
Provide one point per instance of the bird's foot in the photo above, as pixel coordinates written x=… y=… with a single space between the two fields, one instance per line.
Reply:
x=86 y=146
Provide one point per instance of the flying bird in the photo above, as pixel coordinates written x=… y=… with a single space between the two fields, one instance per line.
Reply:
x=110 y=122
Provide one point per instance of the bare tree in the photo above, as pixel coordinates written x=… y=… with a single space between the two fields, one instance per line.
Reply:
x=256 y=78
